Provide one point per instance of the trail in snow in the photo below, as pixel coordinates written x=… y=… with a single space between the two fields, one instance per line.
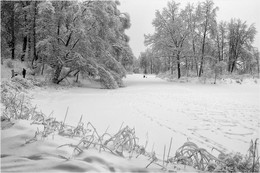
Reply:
x=222 y=116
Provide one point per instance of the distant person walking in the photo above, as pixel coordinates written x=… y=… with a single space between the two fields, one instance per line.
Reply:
x=24 y=73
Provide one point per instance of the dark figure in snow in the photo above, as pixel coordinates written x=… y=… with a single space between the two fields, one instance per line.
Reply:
x=144 y=76
x=24 y=73
x=12 y=71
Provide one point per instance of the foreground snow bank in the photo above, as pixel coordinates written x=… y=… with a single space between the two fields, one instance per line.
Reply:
x=46 y=154
x=32 y=141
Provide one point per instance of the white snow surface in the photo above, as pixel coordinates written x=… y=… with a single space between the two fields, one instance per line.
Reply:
x=225 y=117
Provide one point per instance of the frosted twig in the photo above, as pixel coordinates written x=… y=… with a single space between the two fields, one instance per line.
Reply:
x=50 y=114
x=121 y=126
x=99 y=138
x=150 y=163
x=65 y=115
x=80 y=119
x=164 y=154
x=169 y=151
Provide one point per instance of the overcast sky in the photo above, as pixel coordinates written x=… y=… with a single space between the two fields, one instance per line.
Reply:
x=142 y=13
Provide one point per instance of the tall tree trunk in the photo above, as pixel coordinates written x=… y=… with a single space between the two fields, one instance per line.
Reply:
x=203 y=48
x=34 y=33
x=24 y=47
x=42 y=68
x=187 y=67
x=222 y=48
x=178 y=65
x=29 y=47
x=230 y=54
x=194 y=57
x=29 y=34
x=202 y=54
x=219 y=54
x=24 y=36
x=171 y=65
x=192 y=64
x=233 y=66
x=58 y=31
x=229 y=66
x=230 y=60
x=151 y=66
x=77 y=78
x=58 y=67
x=13 y=31
x=234 y=60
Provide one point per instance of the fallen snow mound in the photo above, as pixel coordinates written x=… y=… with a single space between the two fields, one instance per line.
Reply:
x=44 y=155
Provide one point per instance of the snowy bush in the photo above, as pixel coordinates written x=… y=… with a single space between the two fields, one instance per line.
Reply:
x=49 y=74
x=36 y=82
x=14 y=99
x=9 y=86
x=201 y=159
x=106 y=79
x=118 y=79
x=24 y=83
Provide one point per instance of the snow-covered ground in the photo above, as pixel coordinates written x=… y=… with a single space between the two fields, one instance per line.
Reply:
x=222 y=116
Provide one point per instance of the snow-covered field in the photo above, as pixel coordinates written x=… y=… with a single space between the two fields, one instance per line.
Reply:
x=223 y=116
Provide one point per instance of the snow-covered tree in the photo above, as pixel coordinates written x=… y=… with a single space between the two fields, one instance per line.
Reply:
x=91 y=30
x=240 y=39
x=171 y=31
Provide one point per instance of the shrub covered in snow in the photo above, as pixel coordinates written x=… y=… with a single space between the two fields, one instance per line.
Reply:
x=22 y=82
x=199 y=158
x=14 y=97
x=15 y=101
x=118 y=79
x=106 y=79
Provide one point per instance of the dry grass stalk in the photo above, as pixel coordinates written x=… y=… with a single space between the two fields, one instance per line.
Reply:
x=164 y=148
x=150 y=163
x=66 y=115
x=51 y=114
x=169 y=152
x=121 y=126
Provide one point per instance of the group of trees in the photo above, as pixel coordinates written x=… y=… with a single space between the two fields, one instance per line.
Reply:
x=191 y=41
x=71 y=37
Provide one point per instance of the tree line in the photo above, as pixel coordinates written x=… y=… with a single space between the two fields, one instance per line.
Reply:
x=189 y=41
x=70 y=37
